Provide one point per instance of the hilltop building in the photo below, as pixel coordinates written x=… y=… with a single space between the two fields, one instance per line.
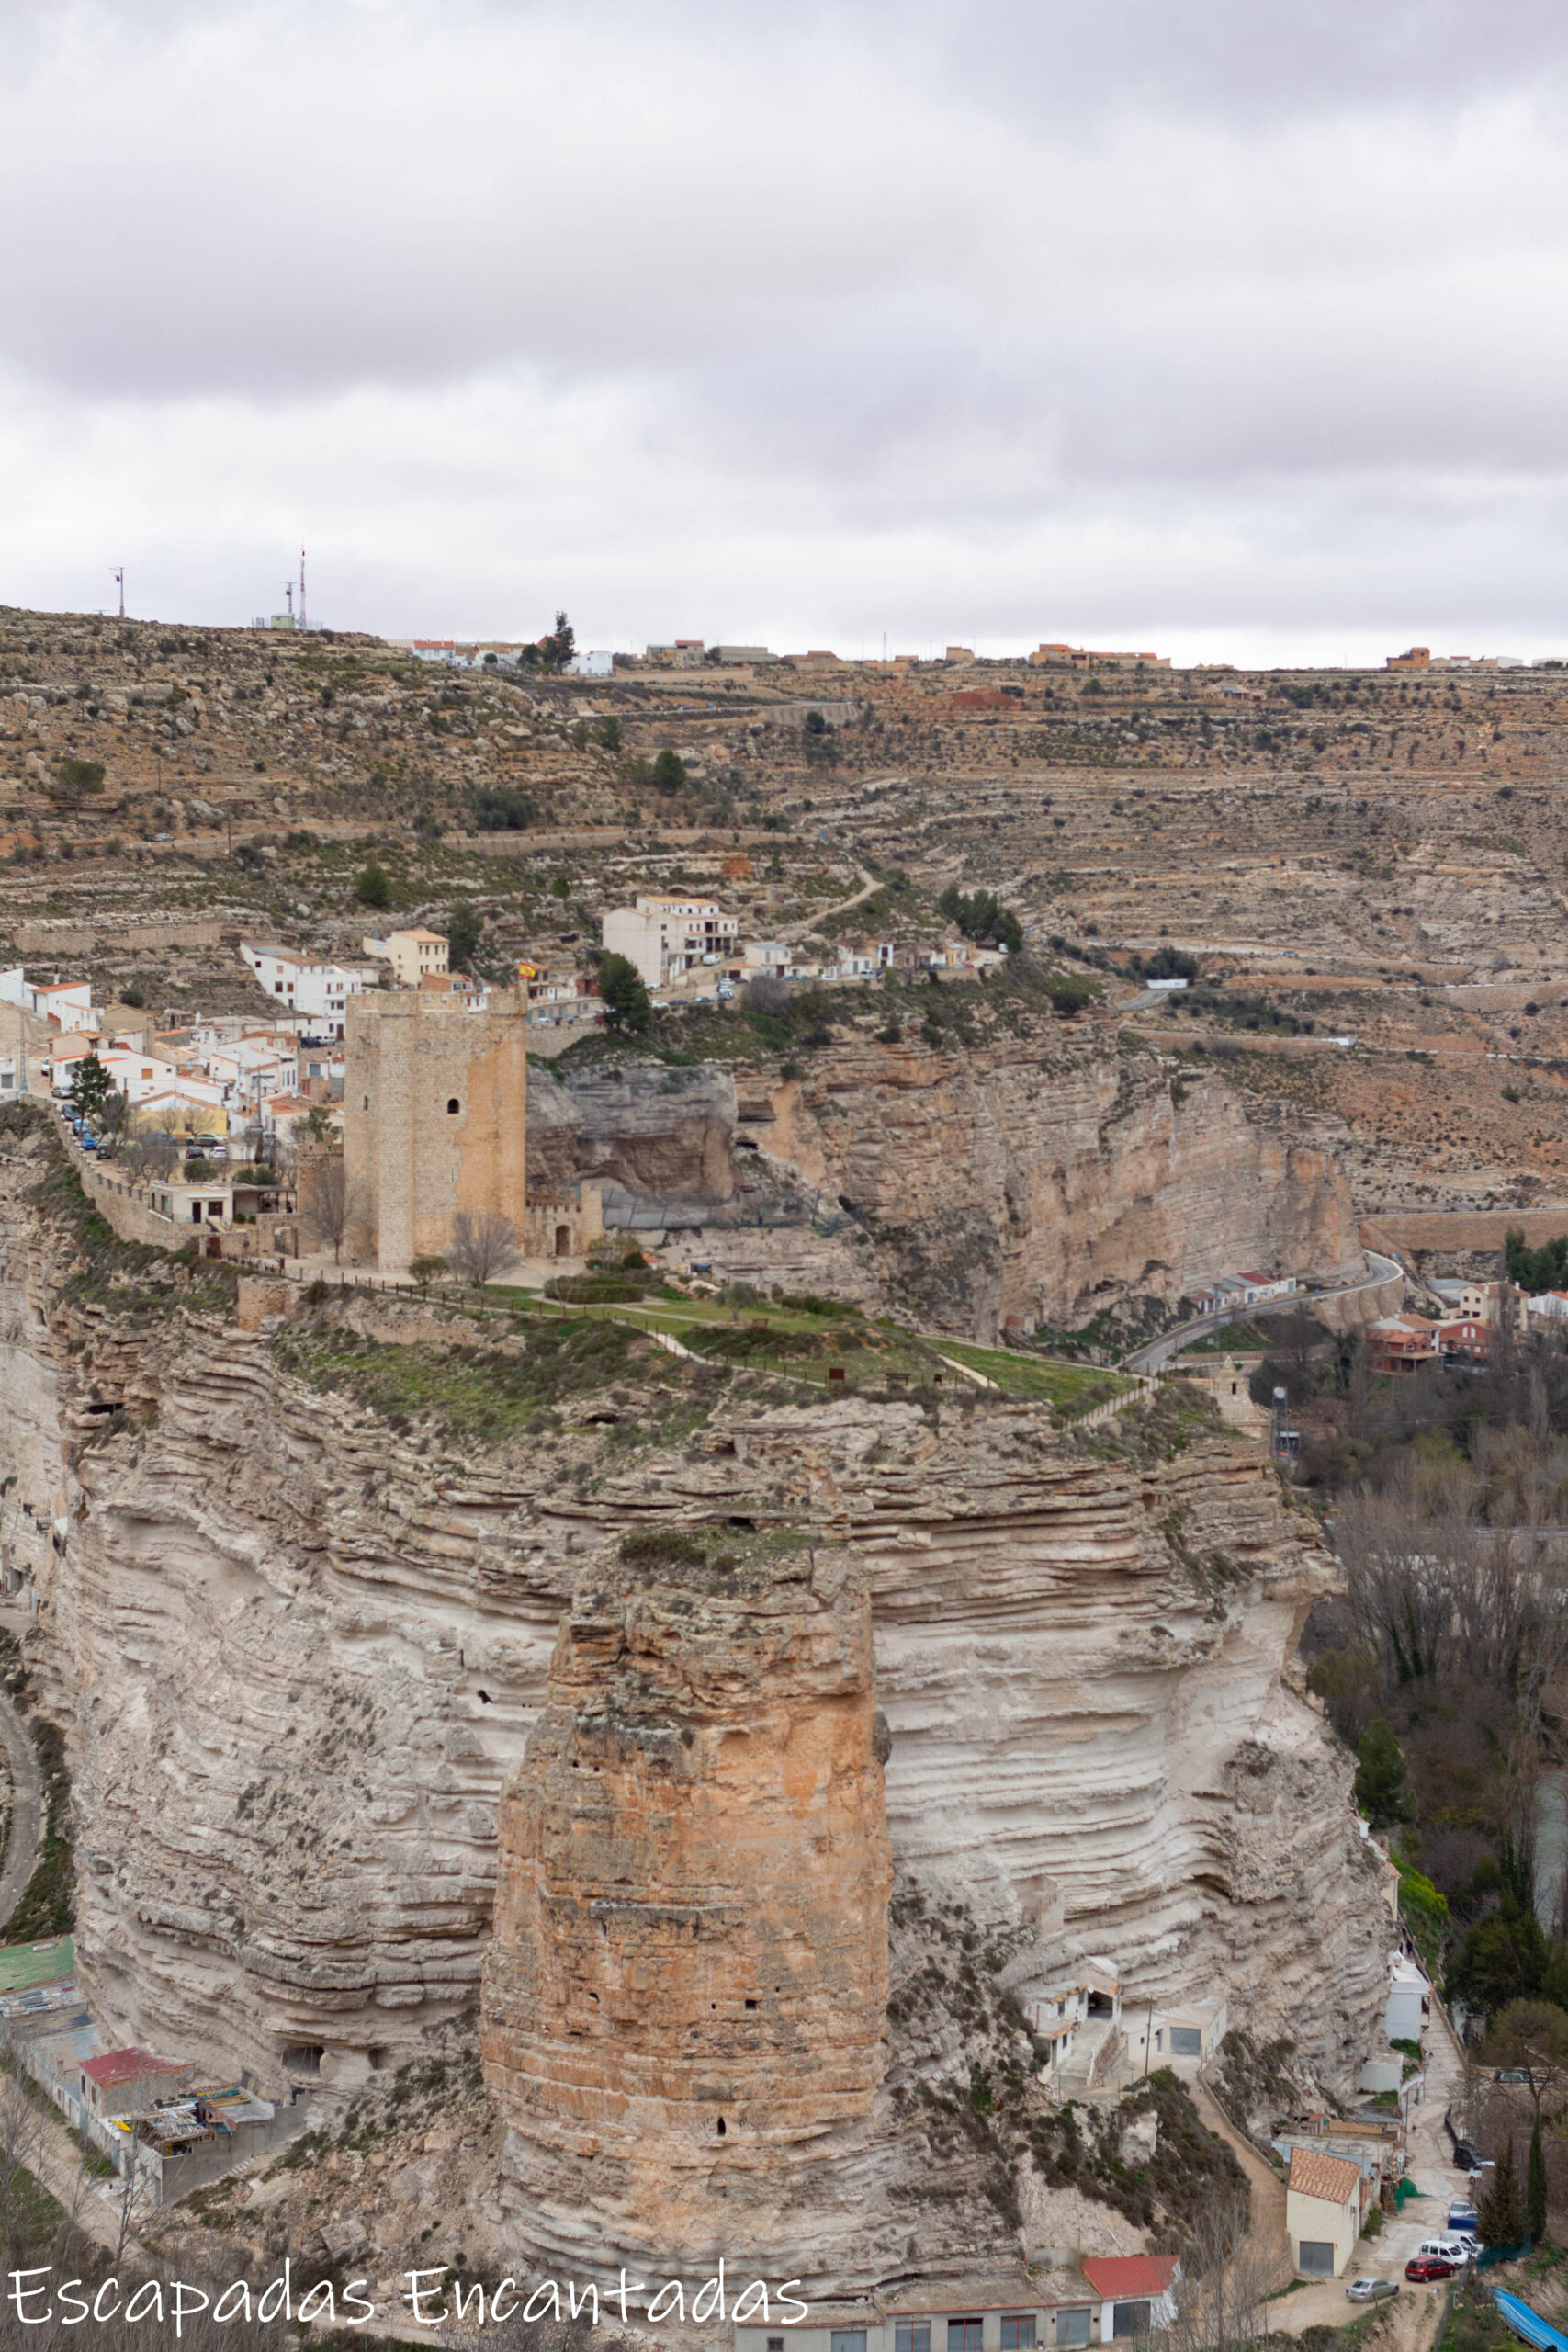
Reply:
x=666 y=937
x=435 y=1118
x=311 y=985
x=411 y=954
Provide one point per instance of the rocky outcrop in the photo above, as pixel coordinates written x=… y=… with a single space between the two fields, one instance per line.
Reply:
x=1033 y=1188
x=686 y=1993
x=641 y=1129
x=1026 y=1185
x=297 y=1646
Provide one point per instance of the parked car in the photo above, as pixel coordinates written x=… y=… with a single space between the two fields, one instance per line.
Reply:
x=1452 y=2247
x=1465 y=2219
x=1371 y=2291
x=1423 y=2268
x=1465 y=2156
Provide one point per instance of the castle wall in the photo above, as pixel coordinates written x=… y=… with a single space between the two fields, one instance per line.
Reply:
x=434 y=1119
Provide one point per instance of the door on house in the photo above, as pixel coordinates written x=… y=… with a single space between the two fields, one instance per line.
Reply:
x=563 y=1241
x=1316 y=2257
x=1131 y=2319
x=963 y=2335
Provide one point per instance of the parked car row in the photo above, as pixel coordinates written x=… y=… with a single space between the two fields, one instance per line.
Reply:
x=1440 y=2258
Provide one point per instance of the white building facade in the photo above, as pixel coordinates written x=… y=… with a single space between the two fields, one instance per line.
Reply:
x=305 y=984
x=667 y=937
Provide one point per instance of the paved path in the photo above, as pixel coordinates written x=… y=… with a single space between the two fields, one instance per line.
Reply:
x=1429 y=2163
x=1161 y=1351
x=1266 y=2226
x=27 y=1809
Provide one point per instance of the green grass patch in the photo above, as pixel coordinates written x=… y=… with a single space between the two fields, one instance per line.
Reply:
x=48 y=1907
x=485 y=1391
x=1071 y=1387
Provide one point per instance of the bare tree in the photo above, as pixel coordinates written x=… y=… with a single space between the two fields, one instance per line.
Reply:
x=484 y=1246
x=1434 y=1588
x=1529 y=2039
x=21 y=2142
x=1227 y=2276
x=328 y=1202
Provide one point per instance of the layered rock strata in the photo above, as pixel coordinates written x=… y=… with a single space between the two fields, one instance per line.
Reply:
x=688 y=1982
x=1027 y=1184
x=297 y=1652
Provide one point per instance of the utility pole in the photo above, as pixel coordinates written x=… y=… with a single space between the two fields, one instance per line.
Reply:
x=303 y=622
x=288 y=597
x=119 y=575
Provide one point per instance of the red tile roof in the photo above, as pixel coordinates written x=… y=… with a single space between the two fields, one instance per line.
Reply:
x=1331 y=2180
x=128 y=2066
x=1125 y=2277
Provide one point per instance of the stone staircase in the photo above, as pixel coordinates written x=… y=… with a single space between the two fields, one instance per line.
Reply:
x=1099 y=2060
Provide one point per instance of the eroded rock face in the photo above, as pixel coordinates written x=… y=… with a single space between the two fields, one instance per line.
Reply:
x=298 y=1653
x=1037 y=1187
x=688 y=1981
x=652 y=1132
x=1031 y=1185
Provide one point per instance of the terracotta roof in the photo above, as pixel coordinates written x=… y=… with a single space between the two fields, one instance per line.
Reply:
x=1333 y=2178
x=128 y=2066
x=1123 y=2275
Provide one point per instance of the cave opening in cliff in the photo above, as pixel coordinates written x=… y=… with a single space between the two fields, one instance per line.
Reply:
x=721 y=2127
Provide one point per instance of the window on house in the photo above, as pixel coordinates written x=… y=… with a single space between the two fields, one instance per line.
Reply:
x=1185 y=2042
x=963 y=2335
x=1131 y=2319
x=912 y=2336
x=848 y=2339
x=1018 y=2332
x=1072 y=2328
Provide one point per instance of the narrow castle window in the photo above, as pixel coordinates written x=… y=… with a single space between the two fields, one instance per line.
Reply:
x=452 y=1104
x=721 y=2127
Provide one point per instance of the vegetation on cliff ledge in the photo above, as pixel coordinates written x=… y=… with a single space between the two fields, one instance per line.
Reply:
x=491 y=1392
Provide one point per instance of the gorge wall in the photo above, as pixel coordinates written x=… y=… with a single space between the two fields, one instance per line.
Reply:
x=300 y=1647
x=1027 y=1184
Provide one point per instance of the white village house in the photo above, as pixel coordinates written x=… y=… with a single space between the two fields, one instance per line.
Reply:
x=310 y=985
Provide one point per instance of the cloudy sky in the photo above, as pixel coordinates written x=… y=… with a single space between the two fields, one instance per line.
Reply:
x=1235 y=328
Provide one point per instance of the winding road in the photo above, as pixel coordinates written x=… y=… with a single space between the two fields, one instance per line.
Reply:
x=1159 y=1352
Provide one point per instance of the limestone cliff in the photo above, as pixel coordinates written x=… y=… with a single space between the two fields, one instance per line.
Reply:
x=1027 y=1184
x=296 y=1615
x=1035 y=1187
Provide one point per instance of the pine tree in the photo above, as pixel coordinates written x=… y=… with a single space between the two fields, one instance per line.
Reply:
x=1503 y=2219
x=1535 y=2186
x=1379 y=1778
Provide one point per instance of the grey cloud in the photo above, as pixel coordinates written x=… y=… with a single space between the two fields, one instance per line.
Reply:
x=1232 y=309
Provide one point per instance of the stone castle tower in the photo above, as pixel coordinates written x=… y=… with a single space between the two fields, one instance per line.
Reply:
x=435 y=1118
